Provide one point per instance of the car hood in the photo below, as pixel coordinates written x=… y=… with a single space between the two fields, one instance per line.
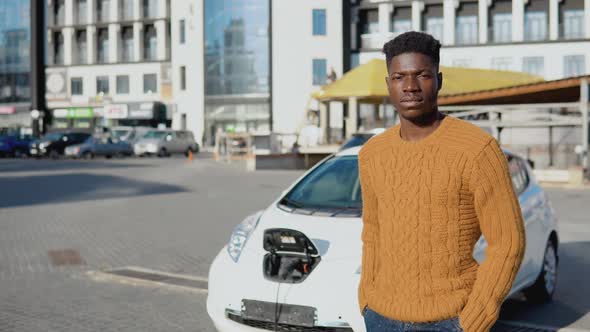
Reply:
x=336 y=238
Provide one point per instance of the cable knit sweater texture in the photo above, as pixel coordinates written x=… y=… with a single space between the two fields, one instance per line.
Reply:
x=425 y=205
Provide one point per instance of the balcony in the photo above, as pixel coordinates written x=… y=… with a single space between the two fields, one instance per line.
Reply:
x=376 y=40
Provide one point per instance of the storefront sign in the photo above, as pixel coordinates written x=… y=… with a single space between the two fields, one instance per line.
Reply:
x=5 y=110
x=116 y=111
x=141 y=114
x=74 y=113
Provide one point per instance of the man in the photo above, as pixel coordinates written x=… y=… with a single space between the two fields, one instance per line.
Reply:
x=431 y=186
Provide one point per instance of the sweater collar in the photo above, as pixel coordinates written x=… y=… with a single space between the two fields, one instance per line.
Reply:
x=442 y=128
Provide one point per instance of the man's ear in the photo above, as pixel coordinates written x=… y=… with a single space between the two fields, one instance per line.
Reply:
x=439 y=76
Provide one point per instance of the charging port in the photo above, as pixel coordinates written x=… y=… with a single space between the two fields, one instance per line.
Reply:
x=291 y=256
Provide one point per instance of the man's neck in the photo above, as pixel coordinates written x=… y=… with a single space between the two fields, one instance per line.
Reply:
x=416 y=130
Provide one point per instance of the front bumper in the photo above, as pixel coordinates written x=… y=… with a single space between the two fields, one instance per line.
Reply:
x=335 y=299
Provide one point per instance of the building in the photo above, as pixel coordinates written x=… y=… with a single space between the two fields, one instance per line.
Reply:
x=552 y=36
x=15 y=93
x=251 y=66
x=108 y=63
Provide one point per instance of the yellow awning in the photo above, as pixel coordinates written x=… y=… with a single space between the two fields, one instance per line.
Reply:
x=367 y=82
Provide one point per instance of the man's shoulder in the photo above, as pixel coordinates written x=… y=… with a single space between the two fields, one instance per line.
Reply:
x=467 y=137
x=375 y=145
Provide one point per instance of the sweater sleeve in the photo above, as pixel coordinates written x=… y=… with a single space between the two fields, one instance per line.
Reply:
x=370 y=230
x=500 y=221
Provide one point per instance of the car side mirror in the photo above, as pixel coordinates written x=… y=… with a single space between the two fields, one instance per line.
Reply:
x=531 y=163
x=169 y=138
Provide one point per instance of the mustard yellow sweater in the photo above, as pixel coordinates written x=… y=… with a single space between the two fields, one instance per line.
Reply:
x=425 y=204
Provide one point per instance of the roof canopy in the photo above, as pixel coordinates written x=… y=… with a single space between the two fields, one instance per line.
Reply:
x=367 y=82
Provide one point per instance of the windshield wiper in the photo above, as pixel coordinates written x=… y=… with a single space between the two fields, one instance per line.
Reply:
x=347 y=208
x=291 y=202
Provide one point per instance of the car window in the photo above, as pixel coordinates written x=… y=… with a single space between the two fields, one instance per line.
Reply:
x=355 y=140
x=518 y=173
x=333 y=184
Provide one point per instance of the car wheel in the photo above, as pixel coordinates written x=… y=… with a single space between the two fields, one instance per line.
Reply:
x=163 y=153
x=87 y=155
x=544 y=287
x=108 y=156
x=188 y=152
x=53 y=154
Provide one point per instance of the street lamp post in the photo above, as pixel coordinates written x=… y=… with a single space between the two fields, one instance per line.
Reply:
x=38 y=102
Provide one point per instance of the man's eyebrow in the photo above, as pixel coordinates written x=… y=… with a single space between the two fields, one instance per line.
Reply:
x=417 y=71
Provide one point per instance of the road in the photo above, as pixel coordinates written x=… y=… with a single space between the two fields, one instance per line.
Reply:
x=62 y=222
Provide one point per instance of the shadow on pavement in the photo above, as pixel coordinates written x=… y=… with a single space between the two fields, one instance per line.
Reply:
x=30 y=165
x=60 y=188
x=572 y=298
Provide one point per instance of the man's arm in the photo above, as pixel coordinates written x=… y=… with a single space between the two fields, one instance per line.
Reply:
x=370 y=229
x=501 y=223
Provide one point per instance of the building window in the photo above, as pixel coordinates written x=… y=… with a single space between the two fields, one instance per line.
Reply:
x=534 y=65
x=370 y=21
x=573 y=24
x=319 y=22
x=319 y=71
x=58 y=48
x=126 y=9
x=150 y=83
x=127 y=44
x=501 y=63
x=122 y=84
x=81 y=47
x=182 y=29
x=102 y=85
x=102 y=10
x=401 y=20
x=150 y=8
x=59 y=11
x=466 y=30
x=574 y=65
x=102 y=46
x=435 y=27
x=502 y=28
x=182 y=78
x=81 y=11
x=77 y=86
x=535 y=26
x=150 y=43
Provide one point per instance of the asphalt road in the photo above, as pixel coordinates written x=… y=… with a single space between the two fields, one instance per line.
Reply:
x=62 y=221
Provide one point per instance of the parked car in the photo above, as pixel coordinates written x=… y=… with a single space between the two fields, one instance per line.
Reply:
x=99 y=146
x=360 y=138
x=163 y=143
x=15 y=145
x=54 y=144
x=320 y=217
x=129 y=134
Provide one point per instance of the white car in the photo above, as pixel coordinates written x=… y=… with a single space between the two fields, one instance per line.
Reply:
x=295 y=266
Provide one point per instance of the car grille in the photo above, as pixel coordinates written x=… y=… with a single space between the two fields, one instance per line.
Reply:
x=284 y=327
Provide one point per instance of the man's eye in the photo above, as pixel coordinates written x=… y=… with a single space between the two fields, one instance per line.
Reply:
x=396 y=78
x=425 y=76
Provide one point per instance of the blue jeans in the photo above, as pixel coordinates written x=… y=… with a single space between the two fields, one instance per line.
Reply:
x=374 y=322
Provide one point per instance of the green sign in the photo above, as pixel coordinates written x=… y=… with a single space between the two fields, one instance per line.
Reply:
x=74 y=113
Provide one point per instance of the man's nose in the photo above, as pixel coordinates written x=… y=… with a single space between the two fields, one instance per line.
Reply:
x=411 y=84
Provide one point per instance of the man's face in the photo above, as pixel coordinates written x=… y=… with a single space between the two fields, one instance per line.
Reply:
x=413 y=84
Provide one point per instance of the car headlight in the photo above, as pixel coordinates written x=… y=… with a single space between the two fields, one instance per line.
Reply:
x=240 y=235
x=43 y=145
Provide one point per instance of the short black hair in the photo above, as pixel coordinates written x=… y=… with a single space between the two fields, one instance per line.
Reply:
x=413 y=42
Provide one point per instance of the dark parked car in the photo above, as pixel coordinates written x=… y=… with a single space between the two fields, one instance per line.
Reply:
x=361 y=138
x=99 y=146
x=53 y=144
x=14 y=145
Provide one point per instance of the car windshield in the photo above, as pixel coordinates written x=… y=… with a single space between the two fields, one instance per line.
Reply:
x=120 y=134
x=52 y=136
x=356 y=140
x=332 y=185
x=155 y=134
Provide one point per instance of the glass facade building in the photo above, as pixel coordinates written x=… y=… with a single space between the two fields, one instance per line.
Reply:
x=237 y=66
x=14 y=51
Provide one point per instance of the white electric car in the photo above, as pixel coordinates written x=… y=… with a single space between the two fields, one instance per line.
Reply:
x=295 y=266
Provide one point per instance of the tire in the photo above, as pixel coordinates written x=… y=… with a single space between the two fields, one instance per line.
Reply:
x=163 y=153
x=108 y=156
x=88 y=155
x=544 y=287
x=53 y=154
x=188 y=151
